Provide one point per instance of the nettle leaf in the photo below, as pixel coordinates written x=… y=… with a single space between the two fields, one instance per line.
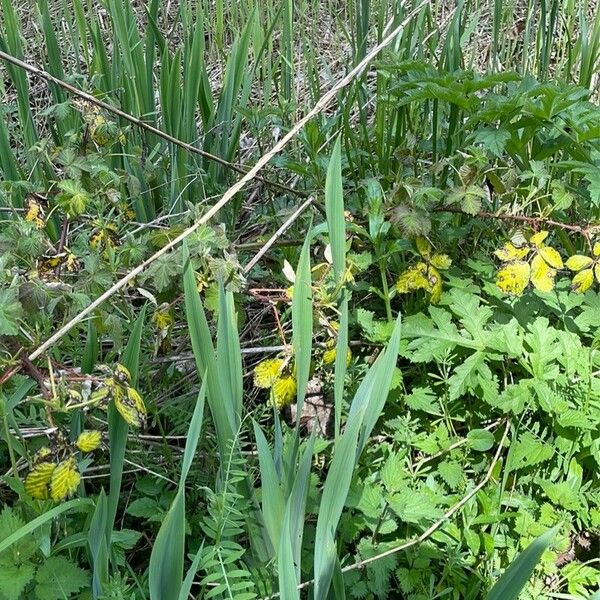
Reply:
x=425 y=399
x=146 y=508
x=24 y=548
x=379 y=571
x=452 y=473
x=58 y=578
x=377 y=331
x=529 y=451
x=493 y=140
x=14 y=579
x=392 y=472
x=561 y=494
x=414 y=507
x=371 y=501
x=10 y=311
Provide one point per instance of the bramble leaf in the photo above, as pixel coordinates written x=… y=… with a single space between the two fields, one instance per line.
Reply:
x=578 y=262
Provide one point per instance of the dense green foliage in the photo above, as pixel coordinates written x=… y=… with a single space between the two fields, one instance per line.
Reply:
x=400 y=397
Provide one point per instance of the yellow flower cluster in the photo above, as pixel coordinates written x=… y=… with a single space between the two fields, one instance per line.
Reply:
x=585 y=269
x=534 y=262
x=127 y=399
x=275 y=374
x=425 y=275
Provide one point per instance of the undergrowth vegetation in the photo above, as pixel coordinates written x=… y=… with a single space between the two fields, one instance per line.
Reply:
x=374 y=373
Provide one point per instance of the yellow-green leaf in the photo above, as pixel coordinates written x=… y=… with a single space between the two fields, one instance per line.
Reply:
x=423 y=246
x=597 y=271
x=542 y=274
x=413 y=279
x=441 y=261
x=596 y=249
x=551 y=256
x=65 y=479
x=284 y=391
x=511 y=252
x=582 y=281
x=36 y=482
x=266 y=372
x=89 y=440
x=514 y=277
x=578 y=262
x=537 y=238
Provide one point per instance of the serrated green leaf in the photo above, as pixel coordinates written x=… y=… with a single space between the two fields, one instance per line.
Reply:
x=10 y=311
x=59 y=578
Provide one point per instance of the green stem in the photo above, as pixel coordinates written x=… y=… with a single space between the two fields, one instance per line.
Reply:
x=11 y=452
x=386 y=292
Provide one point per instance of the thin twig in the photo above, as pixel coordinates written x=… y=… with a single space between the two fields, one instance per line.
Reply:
x=582 y=229
x=278 y=234
x=321 y=105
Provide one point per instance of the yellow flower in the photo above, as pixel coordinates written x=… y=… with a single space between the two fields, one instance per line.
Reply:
x=130 y=405
x=266 y=372
x=283 y=391
x=514 y=277
x=89 y=440
x=36 y=482
x=65 y=479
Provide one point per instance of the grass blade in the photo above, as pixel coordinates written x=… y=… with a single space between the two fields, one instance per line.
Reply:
x=302 y=324
x=98 y=546
x=118 y=428
x=514 y=579
x=334 y=208
x=273 y=502
x=75 y=504
x=168 y=553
